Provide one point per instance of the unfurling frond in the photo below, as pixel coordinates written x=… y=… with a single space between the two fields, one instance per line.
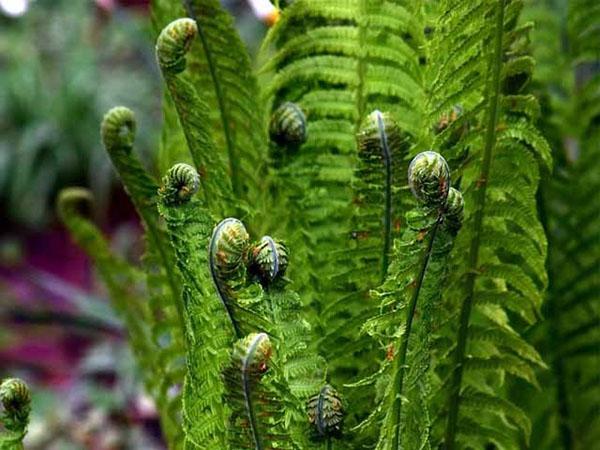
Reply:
x=411 y=310
x=326 y=413
x=15 y=401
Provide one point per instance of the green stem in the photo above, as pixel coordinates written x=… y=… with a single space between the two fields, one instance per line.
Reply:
x=480 y=200
x=403 y=350
x=387 y=218
x=329 y=443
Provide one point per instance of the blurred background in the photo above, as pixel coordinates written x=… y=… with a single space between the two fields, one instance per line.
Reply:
x=63 y=63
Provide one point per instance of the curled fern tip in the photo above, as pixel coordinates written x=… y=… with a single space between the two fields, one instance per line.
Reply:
x=16 y=402
x=118 y=128
x=173 y=43
x=268 y=260
x=288 y=126
x=326 y=413
x=179 y=184
x=429 y=178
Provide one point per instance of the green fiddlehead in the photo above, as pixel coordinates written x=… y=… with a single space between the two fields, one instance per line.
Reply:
x=15 y=399
x=326 y=414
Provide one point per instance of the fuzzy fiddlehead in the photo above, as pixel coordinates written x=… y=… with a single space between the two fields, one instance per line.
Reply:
x=410 y=305
x=15 y=400
x=326 y=414
x=255 y=420
x=228 y=248
x=179 y=184
x=268 y=261
x=172 y=47
x=287 y=129
x=209 y=331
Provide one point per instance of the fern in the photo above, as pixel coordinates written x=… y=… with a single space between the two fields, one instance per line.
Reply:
x=500 y=252
x=333 y=63
x=118 y=134
x=409 y=311
x=564 y=416
x=209 y=332
x=171 y=47
x=420 y=311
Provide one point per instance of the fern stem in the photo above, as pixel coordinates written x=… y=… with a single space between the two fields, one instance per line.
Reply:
x=387 y=218
x=480 y=200
x=403 y=350
x=329 y=443
x=248 y=395
x=235 y=176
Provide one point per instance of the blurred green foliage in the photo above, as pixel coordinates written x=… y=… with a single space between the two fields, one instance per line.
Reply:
x=61 y=65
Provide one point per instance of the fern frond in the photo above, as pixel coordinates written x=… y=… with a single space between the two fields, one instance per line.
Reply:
x=480 y=62
x=163 y=282
x=209 y=333
x=224 y=78
x=172 y=46
x=410 y=306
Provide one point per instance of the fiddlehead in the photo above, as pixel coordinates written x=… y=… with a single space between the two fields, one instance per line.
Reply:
x=288 y=127
x=15 y=399
x=173 y=43
x=381 y=149
x=118 y=129
x=326 y=414
x=228 y=250
x=210 y=329
x=268 y=261
x=179 y=184
x=429 y=179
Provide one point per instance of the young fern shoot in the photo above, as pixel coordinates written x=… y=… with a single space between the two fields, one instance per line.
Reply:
x=410 y=305
x=15 y=400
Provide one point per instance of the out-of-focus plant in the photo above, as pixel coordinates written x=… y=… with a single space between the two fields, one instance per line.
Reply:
x=566 y=44
x=61 y=65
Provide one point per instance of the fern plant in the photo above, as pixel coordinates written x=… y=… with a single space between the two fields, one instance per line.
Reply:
x=400 y=168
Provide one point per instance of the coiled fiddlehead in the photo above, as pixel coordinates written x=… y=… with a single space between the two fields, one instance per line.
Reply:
x=268 y=260
x=118 y=129
x=429 y=178
x=180 y=184
x=173 y=43
x=288 y=126
x=326 y=413
x=16 y=407
x=454 y=210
